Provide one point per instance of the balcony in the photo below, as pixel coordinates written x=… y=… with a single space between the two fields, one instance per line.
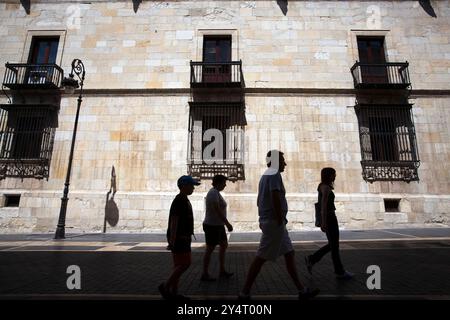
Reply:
x=389 y=75
x=390 y=171
x=216 y=75
x=233 y=172
x=32 y=76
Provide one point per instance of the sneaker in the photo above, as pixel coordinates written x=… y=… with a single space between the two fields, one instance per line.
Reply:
x=207 y=277
x=226 y=274
x=164 y=293
x=345 y=276
x=308 y=293
x=309 y=264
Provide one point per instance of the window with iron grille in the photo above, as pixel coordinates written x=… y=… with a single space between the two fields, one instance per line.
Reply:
x=216 y=140
x=388 y=143
x=26 y=140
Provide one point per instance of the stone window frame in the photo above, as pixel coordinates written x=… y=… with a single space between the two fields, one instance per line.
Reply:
x=44 y=33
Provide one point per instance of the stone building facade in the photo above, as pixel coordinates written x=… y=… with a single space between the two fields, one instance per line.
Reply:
x=362 y=86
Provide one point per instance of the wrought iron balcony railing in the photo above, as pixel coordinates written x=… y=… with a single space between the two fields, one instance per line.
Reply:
x=32 y=76
x=221 y=74
x=389 y=75
x=204 y=171
x=390 y=171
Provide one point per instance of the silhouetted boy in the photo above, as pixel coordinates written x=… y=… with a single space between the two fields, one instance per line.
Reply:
x=179 y=232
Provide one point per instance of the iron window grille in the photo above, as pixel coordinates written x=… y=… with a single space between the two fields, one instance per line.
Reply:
x=216 y=140
x=388 y=143
x=26 y=140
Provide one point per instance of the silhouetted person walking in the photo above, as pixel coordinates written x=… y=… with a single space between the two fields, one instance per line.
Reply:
x=214 y=227
x=179 y=232
x=329 y=225
x=275 y=241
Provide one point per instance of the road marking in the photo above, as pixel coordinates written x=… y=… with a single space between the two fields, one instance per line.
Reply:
x=160 y=246
x=401 y=234
x=234 y=250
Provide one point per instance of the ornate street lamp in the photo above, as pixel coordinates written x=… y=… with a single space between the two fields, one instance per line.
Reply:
x=70 y=84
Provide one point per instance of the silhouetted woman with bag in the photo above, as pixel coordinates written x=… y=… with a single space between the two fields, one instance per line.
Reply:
x=329 y=225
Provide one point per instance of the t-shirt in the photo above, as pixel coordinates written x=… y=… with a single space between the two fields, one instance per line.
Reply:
x=330 y=205
x=181 y=208
x=211 y=216
x=270 y=181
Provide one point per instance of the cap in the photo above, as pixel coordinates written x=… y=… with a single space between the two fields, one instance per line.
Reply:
x=185 y=180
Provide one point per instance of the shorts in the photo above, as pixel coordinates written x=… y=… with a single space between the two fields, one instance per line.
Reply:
x=274 y=241
x=181 y=246
x=214 y=235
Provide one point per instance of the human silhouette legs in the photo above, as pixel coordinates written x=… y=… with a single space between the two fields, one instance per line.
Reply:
x=182 y=262
x=206 y=260
x=223 y=249
x=292 y=269
x=253 y=272
x=332 y=245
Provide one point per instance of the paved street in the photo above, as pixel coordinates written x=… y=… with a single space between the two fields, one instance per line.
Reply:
x=414 y=264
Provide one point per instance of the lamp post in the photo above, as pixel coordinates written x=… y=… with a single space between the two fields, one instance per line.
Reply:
x=70 y=84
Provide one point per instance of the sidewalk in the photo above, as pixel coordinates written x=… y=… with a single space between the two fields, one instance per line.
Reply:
x=157 y=241
x=413 y=263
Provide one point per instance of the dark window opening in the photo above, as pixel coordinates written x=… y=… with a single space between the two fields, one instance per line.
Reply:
x=372 y=57
x=42 y=56
x=216 y=59
x=392 y=205
x=43 y=50
x=12 y=200
x=371 y=50
x=217 y=49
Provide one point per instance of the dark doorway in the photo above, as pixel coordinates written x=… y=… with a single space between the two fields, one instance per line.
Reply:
x=43 y=51
x=216 y=59
x=373 y=59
